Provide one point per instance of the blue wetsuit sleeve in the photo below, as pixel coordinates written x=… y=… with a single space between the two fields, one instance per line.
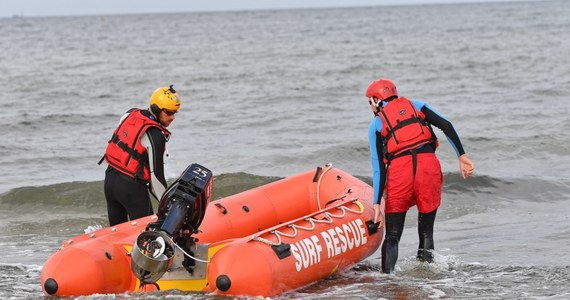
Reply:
x=378 y=166
x=436 y=119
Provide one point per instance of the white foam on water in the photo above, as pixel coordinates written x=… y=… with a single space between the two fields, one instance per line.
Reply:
x=93 y=228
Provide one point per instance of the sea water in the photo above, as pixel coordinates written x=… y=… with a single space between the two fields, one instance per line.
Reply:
x=268 y=94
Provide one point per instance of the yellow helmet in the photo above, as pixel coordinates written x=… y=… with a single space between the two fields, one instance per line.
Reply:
x=164 y=98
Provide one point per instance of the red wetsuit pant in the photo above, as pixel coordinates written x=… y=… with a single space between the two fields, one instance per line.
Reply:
x=404 y=189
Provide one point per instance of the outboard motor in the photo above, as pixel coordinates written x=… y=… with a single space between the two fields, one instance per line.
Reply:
x=180 y=212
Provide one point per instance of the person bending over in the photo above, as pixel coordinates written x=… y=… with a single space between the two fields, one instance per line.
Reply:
x=405 y=168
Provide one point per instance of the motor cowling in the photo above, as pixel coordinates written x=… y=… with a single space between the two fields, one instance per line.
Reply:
x=184 y=203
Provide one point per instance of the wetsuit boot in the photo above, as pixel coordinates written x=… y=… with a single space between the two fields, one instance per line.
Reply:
x=425 y=233
x=425 y=251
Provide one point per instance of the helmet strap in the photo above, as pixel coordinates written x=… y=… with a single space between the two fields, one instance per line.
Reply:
x=375 y=101
x=155 y=110
x=375 y=104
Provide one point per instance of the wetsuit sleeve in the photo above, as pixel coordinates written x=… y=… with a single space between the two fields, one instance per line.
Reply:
x=437 y=120
x=378 y=166
x=155 y=143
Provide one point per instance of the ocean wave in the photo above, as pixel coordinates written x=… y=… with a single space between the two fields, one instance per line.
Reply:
x=82 y=195
x=68 y=195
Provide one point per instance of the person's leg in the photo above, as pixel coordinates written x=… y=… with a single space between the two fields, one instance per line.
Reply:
x=394 y=223
x=427 y=190
x=425 y=232
x=136 y=199
x=115 y=211
x=399 y=190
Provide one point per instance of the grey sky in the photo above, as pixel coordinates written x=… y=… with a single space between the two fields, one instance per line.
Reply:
x=30 y=8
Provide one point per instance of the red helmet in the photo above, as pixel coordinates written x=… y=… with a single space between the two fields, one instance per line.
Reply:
x=381 y=89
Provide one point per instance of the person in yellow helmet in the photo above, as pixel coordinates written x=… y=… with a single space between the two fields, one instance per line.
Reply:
x=135 y=157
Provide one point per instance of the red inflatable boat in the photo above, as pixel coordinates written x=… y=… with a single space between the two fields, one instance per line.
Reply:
x=262 y=242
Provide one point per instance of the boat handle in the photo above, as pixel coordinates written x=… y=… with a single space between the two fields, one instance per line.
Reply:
x=222 y=208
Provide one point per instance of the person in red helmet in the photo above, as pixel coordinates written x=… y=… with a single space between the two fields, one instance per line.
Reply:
x=135 y=155
x=406 y=171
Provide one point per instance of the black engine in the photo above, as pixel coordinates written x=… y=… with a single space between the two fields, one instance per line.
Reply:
x=180 y=213
x=183 y=205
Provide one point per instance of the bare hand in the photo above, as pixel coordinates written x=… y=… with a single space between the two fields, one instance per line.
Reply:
x=466 y=166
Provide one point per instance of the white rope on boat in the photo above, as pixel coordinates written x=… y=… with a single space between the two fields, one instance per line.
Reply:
x=268 y=242
x=328 y=219
x=192 y=257
x=339 y=216
x=352 y=210
x=292 y=235
x=309 y=220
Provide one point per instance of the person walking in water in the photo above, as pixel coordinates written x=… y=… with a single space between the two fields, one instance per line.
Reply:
x=135 y=157
x=405 y=168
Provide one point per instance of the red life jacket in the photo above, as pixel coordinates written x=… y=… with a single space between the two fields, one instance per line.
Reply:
x=404 y=128
x=125 y=153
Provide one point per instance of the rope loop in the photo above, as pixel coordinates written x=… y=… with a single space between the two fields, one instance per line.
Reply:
x=328 y=219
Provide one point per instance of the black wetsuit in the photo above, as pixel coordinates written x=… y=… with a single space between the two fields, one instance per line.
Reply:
x=128 y=198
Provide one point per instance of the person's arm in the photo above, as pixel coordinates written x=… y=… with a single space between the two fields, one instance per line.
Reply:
x=437 y=120
x=466 y=167
x=378 y=166
x=155 y=143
